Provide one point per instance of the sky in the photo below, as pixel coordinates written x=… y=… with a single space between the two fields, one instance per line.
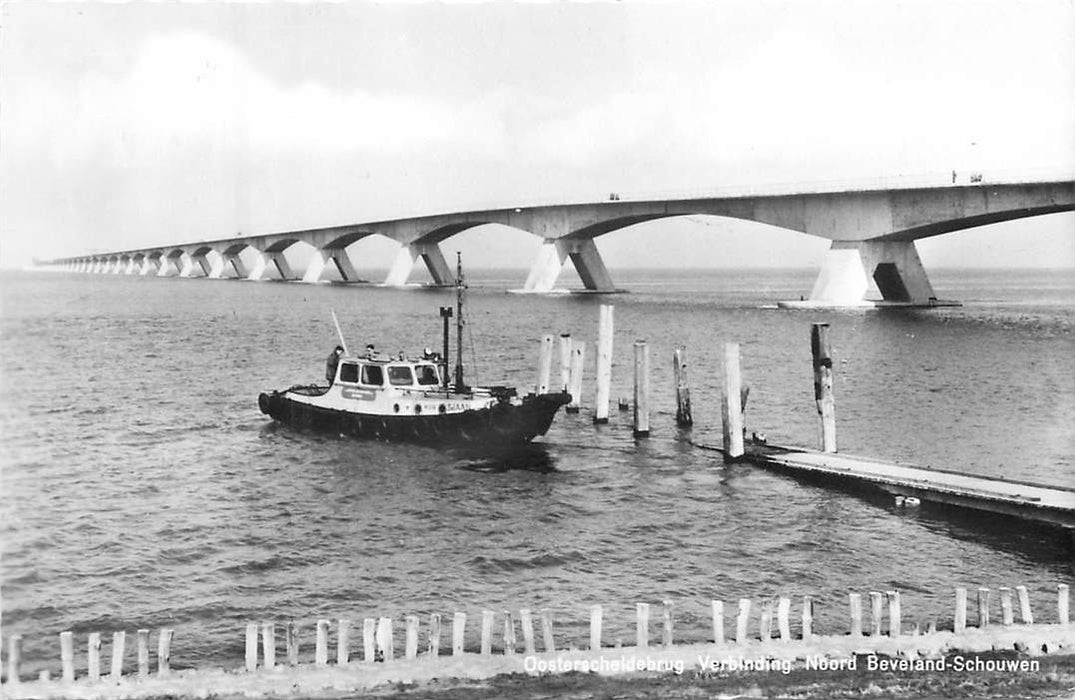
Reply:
x=126 y=125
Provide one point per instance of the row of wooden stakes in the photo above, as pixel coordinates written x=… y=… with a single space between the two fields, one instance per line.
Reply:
x=378 y=633
x=572 y=353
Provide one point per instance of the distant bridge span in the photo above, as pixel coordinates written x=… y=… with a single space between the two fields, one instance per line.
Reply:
x=872 y=230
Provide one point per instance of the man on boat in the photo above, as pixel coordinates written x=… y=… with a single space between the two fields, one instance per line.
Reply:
x=333 y=362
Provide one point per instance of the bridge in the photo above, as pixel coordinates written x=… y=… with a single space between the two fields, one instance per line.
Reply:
x=873 y=227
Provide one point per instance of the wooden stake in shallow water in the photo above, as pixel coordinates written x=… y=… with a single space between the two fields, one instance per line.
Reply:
x=164 y=652
x=544 y=365
x=321 y=643
x=565 y=363
x=369 y=640
x=119 y=643
x=251 y=646
x=93 y=656
x=683 y=390
x=459 y=625
x=578 y=362
x=14 y=658
x=143 y=650
x=595 y=627
x=960 y=624
x=731 y=404
x=641 y=403
x=855 y=601
x=642 y=625
x=604 y=364
x=826 y=402
x=67 y=655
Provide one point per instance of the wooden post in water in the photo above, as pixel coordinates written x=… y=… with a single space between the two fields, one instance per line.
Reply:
x=385 y=643
x=876 y=612
x=1062 y=604
x=595 y=628
x=960 y=624
x=1025 y=613
x=526 y=621
x=1007 y=616
x=410 y=649
x=291 y=643
x=983 y=608
x=731 y=405
x=855 y=600
x=826 y=402
x=783 y=614
x=641 y=403
x=434 y=635
x=742 y=621
x=544 y=364
x=669 y=621
x=683 y=390
x=718 y=621
x=642 y=625
x=343 y=641
x=369 y=640
x=565 y=362
x=808 y=618
x=546 y=631
x=67 y=655
x=578 y=362
x=509 y=633
x=93 y=656
x=14 y=658
x=487 y=633
x=143 y=651
x=164 y=652
x=268 y=644
x=895 y=623
x=459 y=625
x=119 y=643
x=765 y=621
x=251 y=646
x=321 y=643
x=604 y=364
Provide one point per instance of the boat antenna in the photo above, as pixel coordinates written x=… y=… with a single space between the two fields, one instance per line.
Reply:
x=460 y=286
x=343 y=343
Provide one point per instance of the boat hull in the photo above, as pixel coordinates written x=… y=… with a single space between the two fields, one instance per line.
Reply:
x=504 y=423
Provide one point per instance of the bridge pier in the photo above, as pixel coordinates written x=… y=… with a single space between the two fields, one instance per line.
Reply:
x=854 y=270
x=584 y=256
x=431 y=255
x=344 y=264
x=279 y=259
x=213 y=269
x=148 y=266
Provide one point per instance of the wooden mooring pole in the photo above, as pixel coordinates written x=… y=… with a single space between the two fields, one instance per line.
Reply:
x=604 y=364
x=731 y=407
x=683 y=390
x=641 y=403
x=14 y=658
x=565 y=362
x=544 y=365
x=578 y=362
x=826 y=402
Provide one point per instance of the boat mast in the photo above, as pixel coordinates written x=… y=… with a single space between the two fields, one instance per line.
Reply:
x=445 y=313
x=460 y=285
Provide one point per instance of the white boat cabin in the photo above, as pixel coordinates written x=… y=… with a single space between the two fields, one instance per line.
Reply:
x=383 y=386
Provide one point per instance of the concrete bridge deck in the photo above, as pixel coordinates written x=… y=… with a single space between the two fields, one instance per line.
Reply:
x=873 y=228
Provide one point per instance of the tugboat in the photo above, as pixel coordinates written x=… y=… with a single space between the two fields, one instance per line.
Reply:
x=412 y=400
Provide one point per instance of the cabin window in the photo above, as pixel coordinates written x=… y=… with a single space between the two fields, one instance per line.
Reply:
x=427 y=375
x=349 y=372
x=400 y=376
x=372 y=374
